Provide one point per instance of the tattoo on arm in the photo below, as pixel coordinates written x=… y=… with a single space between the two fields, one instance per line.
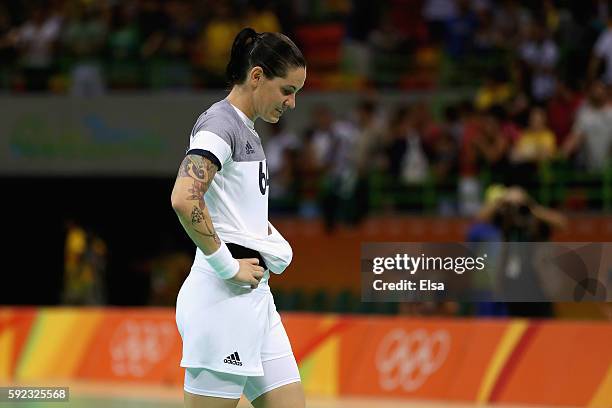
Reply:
x=207 y=230
x=199 y=168
x=201 y=171
x=196 y=215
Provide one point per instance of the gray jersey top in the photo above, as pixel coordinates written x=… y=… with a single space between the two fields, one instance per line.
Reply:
x=237 y=198
x=223 y=120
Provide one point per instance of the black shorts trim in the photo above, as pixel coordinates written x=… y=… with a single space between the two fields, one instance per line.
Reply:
x=240 y=252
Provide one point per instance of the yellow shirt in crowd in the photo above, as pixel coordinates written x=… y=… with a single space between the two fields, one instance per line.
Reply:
x=538 y=143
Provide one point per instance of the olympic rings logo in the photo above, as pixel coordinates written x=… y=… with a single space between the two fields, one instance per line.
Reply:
x=408 y=359
x=137 y=346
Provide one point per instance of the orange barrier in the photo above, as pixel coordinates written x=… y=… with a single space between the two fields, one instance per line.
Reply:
x=331 y=261
x=506 y=361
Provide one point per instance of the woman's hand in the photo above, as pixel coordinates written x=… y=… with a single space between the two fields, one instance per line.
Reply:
x=249 y=272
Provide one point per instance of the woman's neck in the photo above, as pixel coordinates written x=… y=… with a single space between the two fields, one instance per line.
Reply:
x=242 y=100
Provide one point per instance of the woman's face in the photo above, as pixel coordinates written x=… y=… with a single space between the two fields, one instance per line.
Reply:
x=272 y=97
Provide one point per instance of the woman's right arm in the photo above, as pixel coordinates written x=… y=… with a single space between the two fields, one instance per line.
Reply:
x=194 y=178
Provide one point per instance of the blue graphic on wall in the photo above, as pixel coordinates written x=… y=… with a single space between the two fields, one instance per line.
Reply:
x=92 y=137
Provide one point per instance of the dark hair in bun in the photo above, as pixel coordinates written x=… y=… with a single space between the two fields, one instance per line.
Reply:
x=275 y=53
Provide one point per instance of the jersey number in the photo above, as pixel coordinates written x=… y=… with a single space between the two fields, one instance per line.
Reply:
x=263 y=178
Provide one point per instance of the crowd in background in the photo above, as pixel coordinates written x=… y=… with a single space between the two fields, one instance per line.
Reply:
x=540 y=72
x=88 y=47
x=388 y=160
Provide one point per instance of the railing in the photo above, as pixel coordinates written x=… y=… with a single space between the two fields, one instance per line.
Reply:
x=558 y=184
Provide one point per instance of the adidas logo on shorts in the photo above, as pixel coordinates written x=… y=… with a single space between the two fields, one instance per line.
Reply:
x=233 y=358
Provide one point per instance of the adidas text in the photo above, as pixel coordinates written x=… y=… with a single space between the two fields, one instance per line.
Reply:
x=233 y=358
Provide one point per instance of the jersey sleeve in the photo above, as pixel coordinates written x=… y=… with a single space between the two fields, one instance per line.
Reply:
x=211 y=139
x=211 y=146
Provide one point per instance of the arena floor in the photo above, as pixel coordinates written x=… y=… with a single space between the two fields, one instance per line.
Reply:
x=96 y=395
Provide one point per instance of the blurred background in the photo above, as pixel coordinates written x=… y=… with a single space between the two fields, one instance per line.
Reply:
x=420 y=121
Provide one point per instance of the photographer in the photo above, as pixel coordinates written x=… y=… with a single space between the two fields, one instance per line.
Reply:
x=519 y=218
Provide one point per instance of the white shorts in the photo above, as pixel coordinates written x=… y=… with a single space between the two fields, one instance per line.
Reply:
x=227 y=328
x=277 y=372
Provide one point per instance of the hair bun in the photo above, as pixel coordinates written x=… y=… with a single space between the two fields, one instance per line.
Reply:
x=273 y=52
x=245 y=38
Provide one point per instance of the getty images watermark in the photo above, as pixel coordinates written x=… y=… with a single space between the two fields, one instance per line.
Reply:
x=487 y=271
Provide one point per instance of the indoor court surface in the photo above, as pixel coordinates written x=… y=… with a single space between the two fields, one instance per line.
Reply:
x=93 y=395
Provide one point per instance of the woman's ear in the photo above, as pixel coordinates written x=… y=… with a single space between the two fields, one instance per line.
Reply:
x=255 y=76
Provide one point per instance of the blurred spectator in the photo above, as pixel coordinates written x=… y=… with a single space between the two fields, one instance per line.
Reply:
x=361 y=21
x=84 y=267
x=317 y=154
x=261 y=17
x=333 y=141
x=386 y=39
x=483 y=229
x=215 y=43
x=538 y=56
x=368 y=156
x=519 y=218
x=396 y=141
x=409 y=24
x=491 y=145
x=576 y=29
x=537 y=142
x=152 y=22
x=460 y=30
x=322 y=137
x=452 y=122
x=550 y=15
x=518 y=109
x=469 y=127
x=510 y=130
x=485 y=142
x=387 y=55
x=282 y=147
x=398 y=28
x=182 y=30
x=444 y=161
x=495 y=90
x=84 y=38
x=406 y=161
x=124 y=46
x=8 y=52
x=591 y=136
x=602 y=55
x=535 y=145
x=487 y=38
x=172 y=68
x=444 y=156
x=36 y=43
x=561 y=110
x=511 y=20
x=436 y=13
x=415 y=167
x=483 y=236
